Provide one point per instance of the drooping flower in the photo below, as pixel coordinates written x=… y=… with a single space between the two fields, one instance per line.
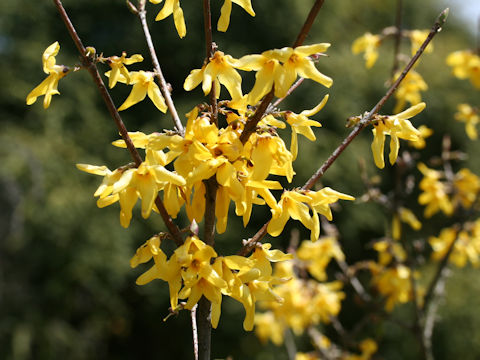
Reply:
x=398 y=127
x=48 y=87
x=368 y=44
x=172 y=7
x=467 y=186
x=425 y=132
x=301 y=124
x=224 y=19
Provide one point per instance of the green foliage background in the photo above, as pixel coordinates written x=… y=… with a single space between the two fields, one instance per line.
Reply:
x=66 y=287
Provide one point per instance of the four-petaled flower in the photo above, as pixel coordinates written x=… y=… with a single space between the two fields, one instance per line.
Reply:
x=172 y=7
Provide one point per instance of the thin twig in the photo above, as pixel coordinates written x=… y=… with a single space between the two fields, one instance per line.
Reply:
x=92 y=69
x=193 y=315
x=252 y=122
x=142 y=14
x=248 y=246
x=292 y=89
x=308 y=23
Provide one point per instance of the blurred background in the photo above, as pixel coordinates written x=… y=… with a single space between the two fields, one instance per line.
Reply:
x=66 y=287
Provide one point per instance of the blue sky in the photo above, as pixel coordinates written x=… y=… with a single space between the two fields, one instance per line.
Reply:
x=469 y=10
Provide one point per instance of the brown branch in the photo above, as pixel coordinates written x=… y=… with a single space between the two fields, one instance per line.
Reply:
x=308 y=23
x=210 y=48
x=252 y=122
x=249 y=245
x=92 y=69
x=165 y=88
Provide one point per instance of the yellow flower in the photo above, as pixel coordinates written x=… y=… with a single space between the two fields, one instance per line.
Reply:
x=466 y=248
x=368 y=44
x=425 y=132
x=317 y=255
x=143 y=85
x=268 y=73
x=172 y=7
x=389 y=250
x=398 y=127
x=219 y=70
x=293 y=204
x=470 y=117
x=434 y=193
x=467 y=186
x=409 y=90
x=297 y=61
x=395 y=284
x=118 y=67
x=417 y=37
x=48 y=87
x=127 y=184
x=466 y=65
x=224 y=19
x=301 y=124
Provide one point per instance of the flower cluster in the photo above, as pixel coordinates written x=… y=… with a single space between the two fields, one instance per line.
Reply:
x=306 y=302
x=442 y=194
x=241 y=171
x=195 y=270
x=466 y=65
x=276 y=68
x=409 y=90
x=466 y=244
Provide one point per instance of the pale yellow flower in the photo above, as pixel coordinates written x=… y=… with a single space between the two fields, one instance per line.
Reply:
x=469 y=115
x=368 y=44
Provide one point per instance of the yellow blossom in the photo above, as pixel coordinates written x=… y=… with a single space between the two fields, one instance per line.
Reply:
x=118 y=67
x=470 y=117
x=297 y=61
x=395 y=284
x=317 y=255
x=127 y=184
x=409 y=90
x=224 y=19
x=466 y=65
x=294 y=204
x=172 y=7
x=467 y=186
x=435 y=192
x=389 y=250
x=48 y=87
x=425 y=132
x=417 y=37
x=143 y=85
x=398 y=127
x=466 y=247
x=368 y=44
x=268 y=69
x=219 y=70
x=301 y=124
